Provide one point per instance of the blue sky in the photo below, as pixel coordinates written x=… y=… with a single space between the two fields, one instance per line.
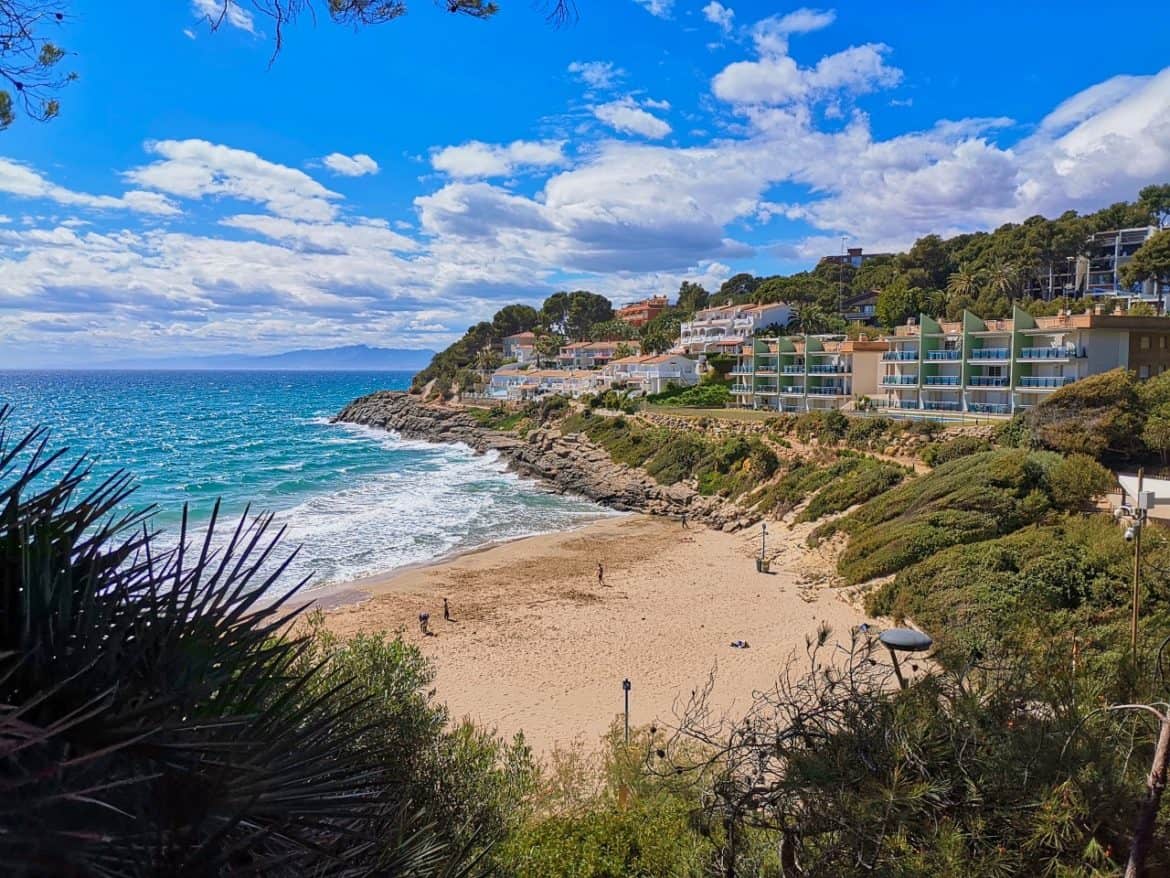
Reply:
x=392 y=185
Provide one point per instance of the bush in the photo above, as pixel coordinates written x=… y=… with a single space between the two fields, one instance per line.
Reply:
x=938 y=453
x=698 y=396
x=1099 y=415
x=828 y=425
x=1077 y=481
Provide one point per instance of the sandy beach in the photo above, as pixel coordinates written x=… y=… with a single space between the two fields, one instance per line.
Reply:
x=537 y=645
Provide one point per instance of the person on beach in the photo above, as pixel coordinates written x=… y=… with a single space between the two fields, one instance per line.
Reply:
x=600 y=575
x=423 y=619
x=684 y=522
x=446 y=611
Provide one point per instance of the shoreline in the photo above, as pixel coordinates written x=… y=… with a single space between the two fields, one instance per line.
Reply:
x=537 y=645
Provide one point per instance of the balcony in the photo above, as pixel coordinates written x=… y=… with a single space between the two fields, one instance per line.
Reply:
x=989 y=354
x=792 y=370
x=769 y=389
x=1035 y=382
x=742 y=388
x=942 y=406
x=1047 y=353
x=829 y=370
x=944 y=355
x=987 y=381
x=740 y=370
x=792 y=390
x=942 y=380
x=771 y=373
x=989 y=408
x=900 y=356
x=899 y=380
x=830 y=390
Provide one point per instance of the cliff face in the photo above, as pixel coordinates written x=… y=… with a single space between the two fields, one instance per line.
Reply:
x=567 y=463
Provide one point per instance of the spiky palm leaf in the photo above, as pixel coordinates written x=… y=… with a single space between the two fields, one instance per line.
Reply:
x=153 y=715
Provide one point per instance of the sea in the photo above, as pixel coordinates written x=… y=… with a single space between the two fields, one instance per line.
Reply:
x=357 y=501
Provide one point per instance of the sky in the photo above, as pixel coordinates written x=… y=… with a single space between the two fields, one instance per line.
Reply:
x=392 y=185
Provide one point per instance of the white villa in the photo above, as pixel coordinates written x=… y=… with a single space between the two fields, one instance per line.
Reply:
x=723 y=329
x=520 y=347
x=592 y=354
x=653 y=374
x=516 y=384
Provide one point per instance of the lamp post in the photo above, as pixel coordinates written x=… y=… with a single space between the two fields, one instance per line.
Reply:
x=903 y=640
x=763 y=540
x=626 y=689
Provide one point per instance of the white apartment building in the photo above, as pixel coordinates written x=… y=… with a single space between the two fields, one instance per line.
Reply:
x=723 y=329
x=653 y=374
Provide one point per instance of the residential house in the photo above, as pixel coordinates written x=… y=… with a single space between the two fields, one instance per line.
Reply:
x=861 y=308
x=638 y=314
x=1108 y=253
x=520 y=385
x=593 y=354
x=725 y=328
x=653 y=374
x=520 y=347
x=855 y=257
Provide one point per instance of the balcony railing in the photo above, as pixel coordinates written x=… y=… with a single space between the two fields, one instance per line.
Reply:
x=828 y=370
x=987 y=381
x=990 y=353
x=942 y=406
x=831 y=390
x=942 y=380
x=767 y=388
x=792 y=370
x=1043 y=381
x=943 y=355
x=791 y=389
x=1047 y=353
x=989 y=408
x=742 y=388
x=900 y=404
x=899 y=380
x=900 y=355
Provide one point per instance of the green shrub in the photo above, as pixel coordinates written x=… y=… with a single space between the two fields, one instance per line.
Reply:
x=1099 y=415
x=937 y=453
x=699 y=396
x=865 y=479
x=1077 y=481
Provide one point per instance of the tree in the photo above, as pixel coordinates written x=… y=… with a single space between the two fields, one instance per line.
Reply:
x=1003 y=278
x=1151 y=261
x=154 y=713
x=1156 y=432
x=572 y=314
x=612 y=330
x=1156 y=200
x=692 y=297
x=964 y=282
x=622 y=350
x=738 y=287
x=512 y=319
x=547 y=346
x=898 y=302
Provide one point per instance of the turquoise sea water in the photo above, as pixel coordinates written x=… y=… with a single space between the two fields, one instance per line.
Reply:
x=358 y=501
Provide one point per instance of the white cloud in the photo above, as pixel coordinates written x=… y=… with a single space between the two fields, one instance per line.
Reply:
x=776 y=78
x=357 y=165
x=361 y=235
x=720 y=15
x=23 y=182
x=224 y=11
x=657 y=8
x=476 y=159
x=655 y=105
x=197 y=169
x=188 y=33
x=626 y=116
x=596 y=74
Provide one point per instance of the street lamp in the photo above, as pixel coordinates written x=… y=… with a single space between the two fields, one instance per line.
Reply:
x=1138 y=514
x=626 y=688
x=903 y=640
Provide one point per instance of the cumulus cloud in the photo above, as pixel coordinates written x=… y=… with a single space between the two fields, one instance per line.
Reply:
x=476 y=159
x=776 y=78
x=357 y=165
x=596 y=74
x=626 y=116
x=719 y=15
x=23 y=182
x=219 y=12
x=198 y=169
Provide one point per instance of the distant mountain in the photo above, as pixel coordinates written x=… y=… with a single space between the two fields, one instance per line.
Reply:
x=357 y=358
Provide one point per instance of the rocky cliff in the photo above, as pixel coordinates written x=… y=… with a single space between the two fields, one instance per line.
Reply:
x=566 y=463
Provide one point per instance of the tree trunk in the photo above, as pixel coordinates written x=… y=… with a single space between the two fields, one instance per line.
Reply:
x=1143 y=833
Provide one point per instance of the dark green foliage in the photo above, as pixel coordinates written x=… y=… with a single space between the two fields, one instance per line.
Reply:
x=572 y=314
x=1151 y=261
x=512 y=319
x=612 y=330
x=1077 y=481
x=952 y=449
x=500 y=417
x=1098 y=415
x=613 y=400
x=699 y=396
x=862 y=480
x=967 y=500
x=828 y=425
x=157 y=718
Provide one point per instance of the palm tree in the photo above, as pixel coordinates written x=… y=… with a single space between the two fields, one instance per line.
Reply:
x=964 y=283
x=154 y=716
x=1004 y=278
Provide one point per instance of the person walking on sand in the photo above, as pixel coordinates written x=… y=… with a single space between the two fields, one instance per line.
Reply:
x=423 y=619
x=600 y=575
x=446 y=611
x=684 y=522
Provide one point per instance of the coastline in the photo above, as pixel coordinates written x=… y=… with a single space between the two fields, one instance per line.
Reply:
x=537 y=645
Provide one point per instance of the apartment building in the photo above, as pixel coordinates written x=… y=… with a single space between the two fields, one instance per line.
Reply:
x=854 y=257
x=1108 y=253
x=520 y=347
x=516 y=384
x=805 y=373
x=999 y=367
x=653 y=374
x=724 y=329
x=638 y=314
x=593 y=354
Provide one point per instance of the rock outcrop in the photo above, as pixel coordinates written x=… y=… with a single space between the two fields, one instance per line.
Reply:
x=568 y=464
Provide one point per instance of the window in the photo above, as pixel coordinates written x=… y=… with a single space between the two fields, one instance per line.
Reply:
x=1144 y=343
x=1144 y=372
